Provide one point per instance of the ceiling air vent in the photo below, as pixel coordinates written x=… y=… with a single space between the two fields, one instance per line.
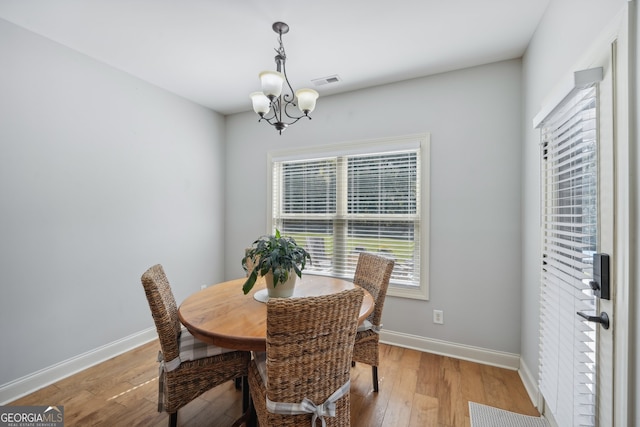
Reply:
x=326 y=80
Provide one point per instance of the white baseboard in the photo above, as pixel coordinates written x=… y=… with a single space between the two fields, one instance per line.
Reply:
x=35 y=381
x=458 y=351
x=531 y=385
x=29 y=383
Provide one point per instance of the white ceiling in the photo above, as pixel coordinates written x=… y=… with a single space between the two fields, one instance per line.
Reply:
x=210 y=51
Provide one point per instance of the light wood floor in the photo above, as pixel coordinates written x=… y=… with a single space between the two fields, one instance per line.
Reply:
x=416 y=389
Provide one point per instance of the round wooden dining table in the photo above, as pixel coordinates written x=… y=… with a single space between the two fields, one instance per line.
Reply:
x=223 y=315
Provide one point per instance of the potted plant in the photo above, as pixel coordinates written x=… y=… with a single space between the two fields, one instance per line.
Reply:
x=279 y=259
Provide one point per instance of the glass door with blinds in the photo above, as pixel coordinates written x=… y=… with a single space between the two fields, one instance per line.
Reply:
x=575 y=352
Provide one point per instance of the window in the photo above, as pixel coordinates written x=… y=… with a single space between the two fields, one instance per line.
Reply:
x=371 y=196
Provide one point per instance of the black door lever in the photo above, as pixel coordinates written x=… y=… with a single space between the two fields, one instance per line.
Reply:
x=603 y=319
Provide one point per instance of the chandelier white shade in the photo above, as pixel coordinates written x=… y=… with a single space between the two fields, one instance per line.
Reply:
x=306 y=100
x=272 y=82
x=274 y=102
x=261 y=103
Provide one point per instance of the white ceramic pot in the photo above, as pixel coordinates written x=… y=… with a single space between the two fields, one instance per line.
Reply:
x=281 y=290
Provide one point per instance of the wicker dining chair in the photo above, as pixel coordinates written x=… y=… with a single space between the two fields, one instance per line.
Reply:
x=373 y=273
x=307 y=362
x=189 y=367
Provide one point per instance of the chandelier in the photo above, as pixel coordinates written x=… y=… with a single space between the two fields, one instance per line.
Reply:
x=274 y=106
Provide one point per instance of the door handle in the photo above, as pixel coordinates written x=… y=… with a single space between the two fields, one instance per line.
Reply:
x=603 y=319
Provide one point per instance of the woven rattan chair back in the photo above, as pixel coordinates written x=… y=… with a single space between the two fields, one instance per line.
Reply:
x=373 y=273
x=309 y=350
x=191 y=378
x=163 y=309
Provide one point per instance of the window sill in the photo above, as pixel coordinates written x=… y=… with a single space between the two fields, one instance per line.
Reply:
x=419 y=293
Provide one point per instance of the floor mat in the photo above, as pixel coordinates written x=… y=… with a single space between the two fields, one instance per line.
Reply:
x=488 y=416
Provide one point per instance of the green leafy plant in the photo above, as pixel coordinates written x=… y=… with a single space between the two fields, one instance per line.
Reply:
x=274 y=253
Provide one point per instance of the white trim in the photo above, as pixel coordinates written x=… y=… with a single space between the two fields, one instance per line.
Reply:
x=481 y=355
x=401 y=143
x=391 y=144
x=548 y=415
x=624 y=169
x=417 y=292
x=29 y=383
x=582 y=79
x=531 y=385
x=567 y=82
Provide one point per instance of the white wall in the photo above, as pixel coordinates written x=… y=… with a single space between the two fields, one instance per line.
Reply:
x=101 y=176
x=474 y=117
x=566 y=33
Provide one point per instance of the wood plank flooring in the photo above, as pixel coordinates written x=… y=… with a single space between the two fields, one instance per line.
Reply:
x=416 y=389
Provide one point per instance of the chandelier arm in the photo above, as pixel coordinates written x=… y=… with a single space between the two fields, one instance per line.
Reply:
x=296 y=120
x=286 y=79
x=276 y=105
x=296 y=117
x=270 y=115
x=267 y=119
x=290 y=98
x=283 y=124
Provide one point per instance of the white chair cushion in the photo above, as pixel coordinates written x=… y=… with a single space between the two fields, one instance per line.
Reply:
x=260 y=358
x=191 y=349
x=365 y=326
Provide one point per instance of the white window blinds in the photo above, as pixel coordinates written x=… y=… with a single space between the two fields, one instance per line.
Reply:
x=569 y=239
x=341 y=205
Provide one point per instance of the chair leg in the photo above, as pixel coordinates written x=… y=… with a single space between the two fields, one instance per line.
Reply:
x=374 y=374
x=248 y=417
x=173 y=419
x=252 y=417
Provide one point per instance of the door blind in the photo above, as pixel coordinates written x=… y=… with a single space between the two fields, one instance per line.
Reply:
x=569 y=239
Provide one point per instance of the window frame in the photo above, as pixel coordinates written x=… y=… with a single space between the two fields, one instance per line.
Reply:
x=421 y=142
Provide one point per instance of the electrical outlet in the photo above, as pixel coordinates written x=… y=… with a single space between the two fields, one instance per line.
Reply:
x=438 y=317
x=203 y=287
